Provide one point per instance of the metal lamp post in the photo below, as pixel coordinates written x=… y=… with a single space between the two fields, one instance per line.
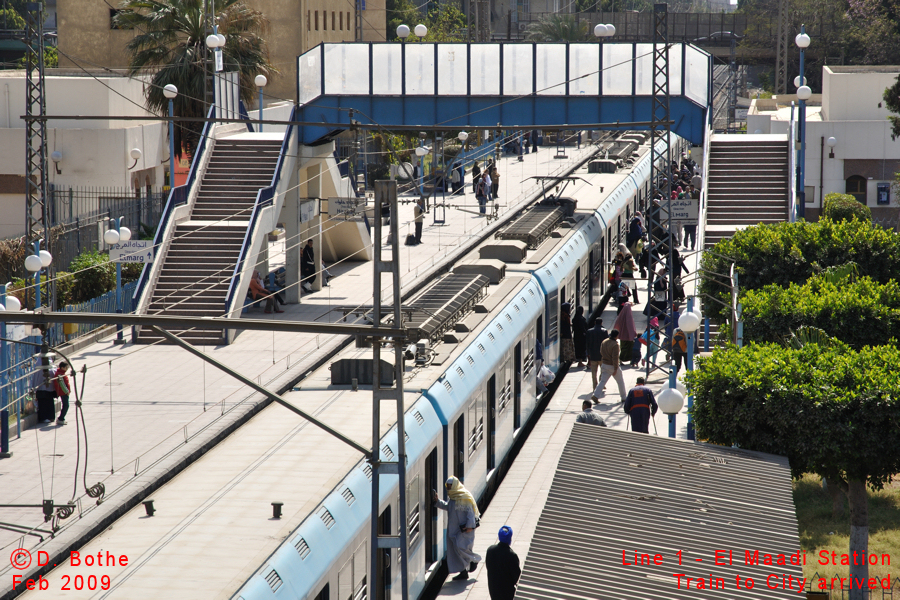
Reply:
x=4 y=379
x=112 y=237
x=34 y=263
x=260 y=82
x=689 y=323
x=670 y=401
x=803 y=94
x=170 y=91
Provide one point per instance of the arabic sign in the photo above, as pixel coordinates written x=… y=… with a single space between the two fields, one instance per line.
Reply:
x=132 y=251
x=685 y=209
x=344 y=206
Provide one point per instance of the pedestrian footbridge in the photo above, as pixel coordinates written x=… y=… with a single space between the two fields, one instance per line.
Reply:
x=539 y=85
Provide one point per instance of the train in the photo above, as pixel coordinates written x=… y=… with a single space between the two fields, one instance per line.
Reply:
x=470 y=411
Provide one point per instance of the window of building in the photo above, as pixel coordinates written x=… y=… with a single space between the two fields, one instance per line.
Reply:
x=341 y=20
x=317 y=20
x=856 y=187
x=308 y=21
x=333 y=28
x=348 y=19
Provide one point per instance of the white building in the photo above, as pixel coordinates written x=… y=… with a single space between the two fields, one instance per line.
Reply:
x=95 y=153
x=851 y=110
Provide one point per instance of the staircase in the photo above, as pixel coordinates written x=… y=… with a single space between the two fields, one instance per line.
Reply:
x=747 y=183
x=199 y=264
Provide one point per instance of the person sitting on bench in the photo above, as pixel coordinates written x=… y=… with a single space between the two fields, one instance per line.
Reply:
x=258 y=291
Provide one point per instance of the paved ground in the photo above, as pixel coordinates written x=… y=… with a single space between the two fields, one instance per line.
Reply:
x=523 y=493
x=148 y=409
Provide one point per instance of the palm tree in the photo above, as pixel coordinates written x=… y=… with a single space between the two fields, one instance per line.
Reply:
x=557 y=28
x=170 y=48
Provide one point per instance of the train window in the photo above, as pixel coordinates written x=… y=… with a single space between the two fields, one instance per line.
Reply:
x=413 y=520
x=476 y=425
x=348 y=496
x=324 y=594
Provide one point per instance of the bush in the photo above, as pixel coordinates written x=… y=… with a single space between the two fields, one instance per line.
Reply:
x=131 y=272
x=860 y=313
x=94 y=276
x=787 y=253
x=844 y=207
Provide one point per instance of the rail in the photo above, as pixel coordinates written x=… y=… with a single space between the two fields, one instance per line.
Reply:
x=178 y=196
x=701 y=221
x=265 y=197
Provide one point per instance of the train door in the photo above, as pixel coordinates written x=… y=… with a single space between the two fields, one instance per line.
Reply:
x=578 y=300
x=492 y=421
x=459 y=455
x=517 y=387
x=383 y=591
x=431 y=521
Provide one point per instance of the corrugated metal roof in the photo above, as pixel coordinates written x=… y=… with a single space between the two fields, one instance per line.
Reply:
x=618 y=491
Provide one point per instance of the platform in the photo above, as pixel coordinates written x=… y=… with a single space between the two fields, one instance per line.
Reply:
x=152 y=410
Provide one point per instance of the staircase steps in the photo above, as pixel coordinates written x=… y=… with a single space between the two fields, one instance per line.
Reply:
x=199 y=263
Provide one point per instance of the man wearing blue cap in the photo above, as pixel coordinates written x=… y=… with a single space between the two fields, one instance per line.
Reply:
x=502 y=567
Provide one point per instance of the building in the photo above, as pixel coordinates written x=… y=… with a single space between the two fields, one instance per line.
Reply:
x=851 y=110
x=87 y=36
x=95 y=153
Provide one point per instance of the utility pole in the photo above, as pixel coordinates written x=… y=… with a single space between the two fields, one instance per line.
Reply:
x=37 y=214
x=781 y=55
x=482 y=20
x=383 y=541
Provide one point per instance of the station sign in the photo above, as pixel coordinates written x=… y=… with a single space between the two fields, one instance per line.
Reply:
x=132 y=251
x=683 y=209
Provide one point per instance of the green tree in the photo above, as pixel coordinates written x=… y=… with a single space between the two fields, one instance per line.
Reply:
x=832 y=411
x=786 y=253
x=170 y=48
x=858 y=312
x=558 y=28
x=51 y=58
x=10 y=19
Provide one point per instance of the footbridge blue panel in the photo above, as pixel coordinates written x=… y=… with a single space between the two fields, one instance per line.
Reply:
x=514 y=84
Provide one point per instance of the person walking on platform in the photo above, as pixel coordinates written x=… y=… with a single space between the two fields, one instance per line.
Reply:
x=579 y=336
x=595 y=336
x=476 y=176
x=588 y=416
x=61 y=381
x=308 y=267
x=44 y=390
x=462 y=519
x=640 y=405
x=609 y=366
x=566 y=344
x=534 y=140
x=454 y=180
x=625 y=326
x=481 y=194
x=502 y=567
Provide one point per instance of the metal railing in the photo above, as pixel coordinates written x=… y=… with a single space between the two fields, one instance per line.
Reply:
x=265 y=197
x=178 y=196
x=792 y=166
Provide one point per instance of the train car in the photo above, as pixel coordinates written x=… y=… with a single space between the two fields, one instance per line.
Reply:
x=469 y=408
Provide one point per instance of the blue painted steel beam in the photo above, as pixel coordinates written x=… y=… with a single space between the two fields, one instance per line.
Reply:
x=435 y=112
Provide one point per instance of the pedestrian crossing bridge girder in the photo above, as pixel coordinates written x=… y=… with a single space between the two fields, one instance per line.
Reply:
x=454 y=85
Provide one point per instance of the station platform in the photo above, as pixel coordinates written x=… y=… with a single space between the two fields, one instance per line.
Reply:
x=152 y=410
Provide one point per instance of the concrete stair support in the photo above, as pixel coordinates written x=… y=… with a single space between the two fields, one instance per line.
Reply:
x=199 y=262
x=747 y=184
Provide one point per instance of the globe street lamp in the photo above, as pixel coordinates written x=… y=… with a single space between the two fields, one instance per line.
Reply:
x=170 y=91
x=604 y=30
x=117 y=233
x=803 y=94
x=260 y=82
x=670 y=401
x=35 y=263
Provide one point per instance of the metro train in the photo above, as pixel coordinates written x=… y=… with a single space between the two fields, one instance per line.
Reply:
x=464 y=422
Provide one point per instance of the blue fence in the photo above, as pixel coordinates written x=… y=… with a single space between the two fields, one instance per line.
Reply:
x=19 y=356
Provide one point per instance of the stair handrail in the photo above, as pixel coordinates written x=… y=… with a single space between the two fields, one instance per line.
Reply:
x=701 y=225
x=792 y=188
x=177 y=196
x=264 y=197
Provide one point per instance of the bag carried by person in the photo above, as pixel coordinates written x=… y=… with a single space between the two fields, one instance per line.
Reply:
x=546 y=376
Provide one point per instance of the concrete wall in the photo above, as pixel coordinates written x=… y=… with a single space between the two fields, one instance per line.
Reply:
x=855 y=93
x=85 y=34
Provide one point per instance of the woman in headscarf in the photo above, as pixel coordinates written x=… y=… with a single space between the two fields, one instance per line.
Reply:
x=650 y=338
x=627 y=332
x=462 y=519
x=567 y=345
x=579 y=335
